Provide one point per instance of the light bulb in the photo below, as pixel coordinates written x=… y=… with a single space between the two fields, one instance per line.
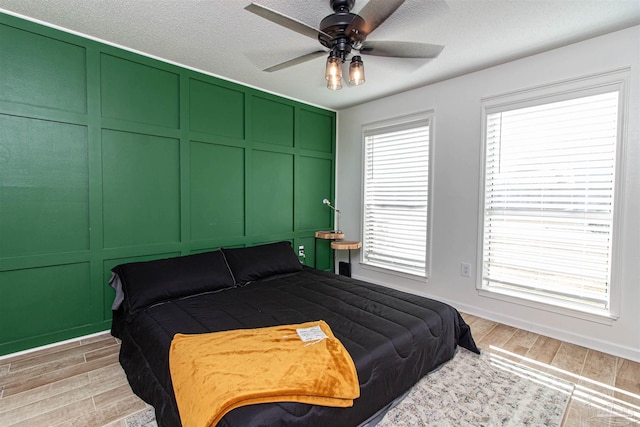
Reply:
x=356 y=71
x=334 y=83
x=333 y=72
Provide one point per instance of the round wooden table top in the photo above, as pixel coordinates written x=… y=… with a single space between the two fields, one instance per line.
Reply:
x=345 y=244
x=331 y=235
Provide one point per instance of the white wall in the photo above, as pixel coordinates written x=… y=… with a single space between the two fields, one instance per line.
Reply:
x=455 y=195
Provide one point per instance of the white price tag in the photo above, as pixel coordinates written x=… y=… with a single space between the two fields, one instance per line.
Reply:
x=313 y=333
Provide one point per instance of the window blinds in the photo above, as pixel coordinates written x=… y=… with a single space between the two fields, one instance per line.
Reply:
x=396 y=198
x=549 y=189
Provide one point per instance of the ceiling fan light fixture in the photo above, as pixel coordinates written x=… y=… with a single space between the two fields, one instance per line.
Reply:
x=344 y=32
x=356 y=71
x=333 y=71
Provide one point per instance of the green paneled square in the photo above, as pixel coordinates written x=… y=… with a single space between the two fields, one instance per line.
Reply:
x=324 y=254
x=314 y=184
x=43 y=300
x=272 y=192
x=217 y=191
x=139 y=93
x=216 y=109
x=141 y=189
x=44 y=187
x=272 y=122
x=41 y=71
x=316 y=131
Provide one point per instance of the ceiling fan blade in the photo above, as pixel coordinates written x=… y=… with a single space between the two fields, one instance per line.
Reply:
x=296 y=61
x=401 y=49
x=285 y=21
x=374 y=13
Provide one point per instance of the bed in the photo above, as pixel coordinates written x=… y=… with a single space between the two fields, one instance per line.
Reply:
x=394 y=338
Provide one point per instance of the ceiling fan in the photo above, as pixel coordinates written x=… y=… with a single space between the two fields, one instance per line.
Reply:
x=344 y=34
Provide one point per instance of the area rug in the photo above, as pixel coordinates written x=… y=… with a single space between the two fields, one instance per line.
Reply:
x=145 y=418
x=470 y=390
x=486 y=390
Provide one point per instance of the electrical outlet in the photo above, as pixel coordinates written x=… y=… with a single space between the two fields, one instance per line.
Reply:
x=301 y=251
x=465 y=269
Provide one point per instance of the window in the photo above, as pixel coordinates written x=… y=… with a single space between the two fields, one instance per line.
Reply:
x=549 y=192
x=396 y=195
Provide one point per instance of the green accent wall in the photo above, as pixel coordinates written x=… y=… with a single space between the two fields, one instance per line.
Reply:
x=108 y=157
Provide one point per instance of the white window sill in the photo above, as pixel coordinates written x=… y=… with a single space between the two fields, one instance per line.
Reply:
x=547 y=304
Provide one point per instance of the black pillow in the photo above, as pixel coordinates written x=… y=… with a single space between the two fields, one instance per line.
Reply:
x=259 y=262
x=149 y=282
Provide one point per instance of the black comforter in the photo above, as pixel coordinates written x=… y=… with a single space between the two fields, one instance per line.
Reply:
x=394 y=338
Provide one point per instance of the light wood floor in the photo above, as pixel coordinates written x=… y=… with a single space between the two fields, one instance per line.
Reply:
x=81 y=383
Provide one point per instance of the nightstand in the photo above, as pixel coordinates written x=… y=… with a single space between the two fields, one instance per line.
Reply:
x=342 y=245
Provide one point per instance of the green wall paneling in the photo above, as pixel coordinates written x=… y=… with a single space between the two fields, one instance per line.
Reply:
x=315 y=178
x=139 y=93
x=272 y=121
x=324 y=255
x=141 y=189
x=272 y=194
x=43 y=300
x=44 y=192
x=217 y=109
x=217 y=180
x=40 y=71
x=314 y=132
x=107 y=156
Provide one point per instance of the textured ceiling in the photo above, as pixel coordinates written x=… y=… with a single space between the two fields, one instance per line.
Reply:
x=221 y=38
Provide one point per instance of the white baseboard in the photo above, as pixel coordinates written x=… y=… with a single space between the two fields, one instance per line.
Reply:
x=44 y=347
x=556 y=332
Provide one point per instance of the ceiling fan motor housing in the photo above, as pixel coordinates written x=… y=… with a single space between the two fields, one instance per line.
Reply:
x=335 y=25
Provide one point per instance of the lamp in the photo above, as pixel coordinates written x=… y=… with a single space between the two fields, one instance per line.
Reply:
x=328 y=203
x=356 y=71
x=333 y=71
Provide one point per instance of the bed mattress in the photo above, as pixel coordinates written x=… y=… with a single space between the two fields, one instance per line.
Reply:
x=394 y=338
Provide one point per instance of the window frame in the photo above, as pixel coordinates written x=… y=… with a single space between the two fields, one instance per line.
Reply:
x=615 y=80
x=409 y=121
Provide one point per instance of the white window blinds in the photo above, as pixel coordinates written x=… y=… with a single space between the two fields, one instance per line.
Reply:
x=396 y=197
x=549 y=193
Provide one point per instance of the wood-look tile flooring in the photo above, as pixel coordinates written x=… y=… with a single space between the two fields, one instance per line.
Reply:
x=82 y=384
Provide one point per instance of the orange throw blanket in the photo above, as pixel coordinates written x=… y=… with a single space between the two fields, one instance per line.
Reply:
x=217 y=372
